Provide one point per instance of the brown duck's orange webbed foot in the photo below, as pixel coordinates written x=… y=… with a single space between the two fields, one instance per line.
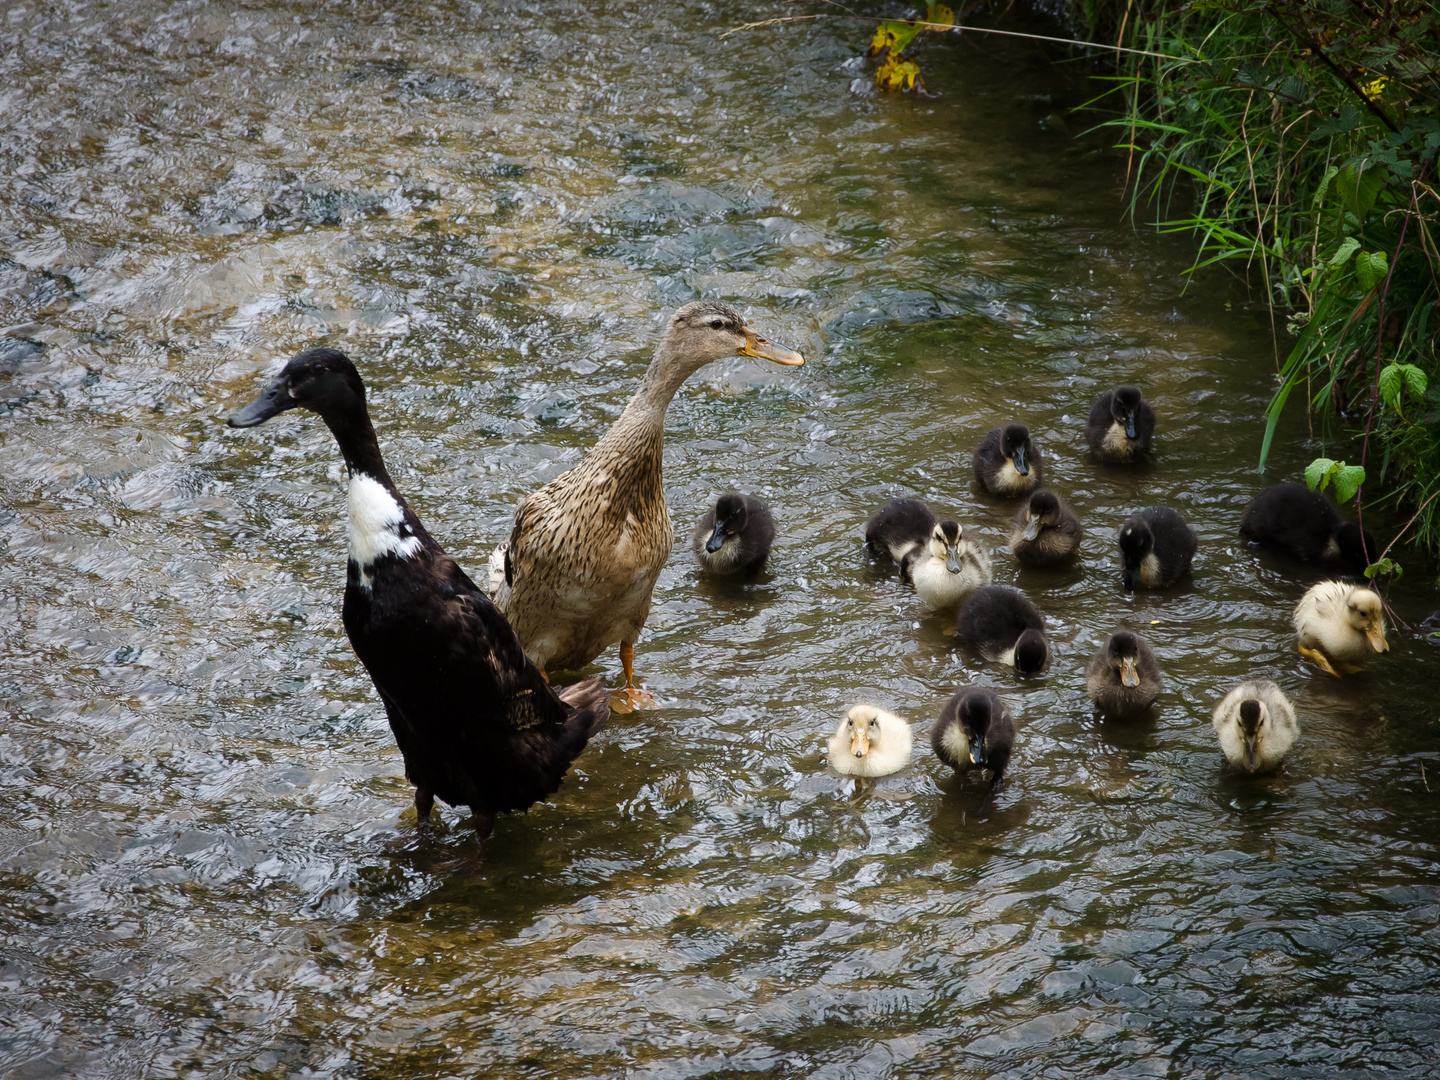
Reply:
x=544 y=674
x=633 y=698
x=1321 y=660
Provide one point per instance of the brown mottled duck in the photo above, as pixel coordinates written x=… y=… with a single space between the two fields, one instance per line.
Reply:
x=585 y=550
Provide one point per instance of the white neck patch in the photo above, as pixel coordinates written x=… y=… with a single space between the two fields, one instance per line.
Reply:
x=376 y=523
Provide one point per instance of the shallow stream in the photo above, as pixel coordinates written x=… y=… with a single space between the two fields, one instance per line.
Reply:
x=206 y=868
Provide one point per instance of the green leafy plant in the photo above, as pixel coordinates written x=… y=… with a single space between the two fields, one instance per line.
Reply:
x=1297 y=141
x=1322 y=472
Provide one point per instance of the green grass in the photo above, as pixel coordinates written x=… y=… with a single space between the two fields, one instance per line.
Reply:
x=1296 y=141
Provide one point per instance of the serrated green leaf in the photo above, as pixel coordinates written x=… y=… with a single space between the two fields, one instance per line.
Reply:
x=1416 y=381
x=1389 y=385
x=1348 y=479
x=1317 y=473
x=1370 y=267
x=1347 y=248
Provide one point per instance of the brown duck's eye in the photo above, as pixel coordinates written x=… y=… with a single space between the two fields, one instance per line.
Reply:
x=717 y=324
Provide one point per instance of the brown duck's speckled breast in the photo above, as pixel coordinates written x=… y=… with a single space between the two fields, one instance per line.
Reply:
x=585 y=552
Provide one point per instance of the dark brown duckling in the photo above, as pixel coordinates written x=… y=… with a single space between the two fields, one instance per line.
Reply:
x=1003 y=626
x=1120 y=426
x=1123 y=678
x=1156 y=547
x=1045 y=532
x=1303 y=524
x=1007 y=462
x=975 y=731
x=734 y=535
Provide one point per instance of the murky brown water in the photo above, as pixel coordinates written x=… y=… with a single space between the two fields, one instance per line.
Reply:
x=205 y=867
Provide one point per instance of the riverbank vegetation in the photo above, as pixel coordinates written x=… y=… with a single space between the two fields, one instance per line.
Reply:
x=1296 y=141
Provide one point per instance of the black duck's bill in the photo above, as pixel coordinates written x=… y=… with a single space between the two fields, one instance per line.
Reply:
x=275 y=400
x=758 y=347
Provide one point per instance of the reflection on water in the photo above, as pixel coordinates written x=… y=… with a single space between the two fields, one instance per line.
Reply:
x=207 y=868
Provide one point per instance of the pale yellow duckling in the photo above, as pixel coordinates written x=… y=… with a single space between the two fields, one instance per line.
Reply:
x=1338 y=625
x=870 y=742
x=1256 y=726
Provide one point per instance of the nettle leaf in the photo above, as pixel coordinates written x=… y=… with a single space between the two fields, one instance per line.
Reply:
x=1348 y=479
x=1294 y=88
x=1253 y=75
x=1348 y=247
x=1385 y=568
x=1394 y=377
x=1347 y=120
x=1370 y=267
x=1317 y=473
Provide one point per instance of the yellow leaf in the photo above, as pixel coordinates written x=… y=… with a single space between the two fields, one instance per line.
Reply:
x=893 y=36
x=898 y=74
x=940 y=15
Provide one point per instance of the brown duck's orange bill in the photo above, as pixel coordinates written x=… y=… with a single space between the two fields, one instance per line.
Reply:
x=758 y=347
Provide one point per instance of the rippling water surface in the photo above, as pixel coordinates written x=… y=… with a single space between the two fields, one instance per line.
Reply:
x=207 y=868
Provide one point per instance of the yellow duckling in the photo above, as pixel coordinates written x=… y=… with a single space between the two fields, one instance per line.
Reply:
x=870 y=742
x=1338 y=625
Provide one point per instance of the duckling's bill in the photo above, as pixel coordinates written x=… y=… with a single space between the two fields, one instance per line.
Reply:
x=758 y=347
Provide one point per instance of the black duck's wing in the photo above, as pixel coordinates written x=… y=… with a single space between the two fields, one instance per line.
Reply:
x=478 y=641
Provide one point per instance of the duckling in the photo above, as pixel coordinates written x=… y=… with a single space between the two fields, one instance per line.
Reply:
x=934 y=556
x=1045 y=532
x=1156 y=547
x=1122 y=678
x=1256 y=725
x=734 y=536
x=476 y=721
x=1003 y=626
x=1339 y=626
x=1007 y=462
x=1304 y=525
x=1120 y=426
x=975 y=731
x=870 y=742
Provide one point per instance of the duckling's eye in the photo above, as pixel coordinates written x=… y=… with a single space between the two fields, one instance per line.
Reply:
x=874 y=722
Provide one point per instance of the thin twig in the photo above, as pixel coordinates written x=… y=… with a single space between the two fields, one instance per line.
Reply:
x=941 y=28
x=1422 y=777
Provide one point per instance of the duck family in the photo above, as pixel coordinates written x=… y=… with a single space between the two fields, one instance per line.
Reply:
x=464 y=673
